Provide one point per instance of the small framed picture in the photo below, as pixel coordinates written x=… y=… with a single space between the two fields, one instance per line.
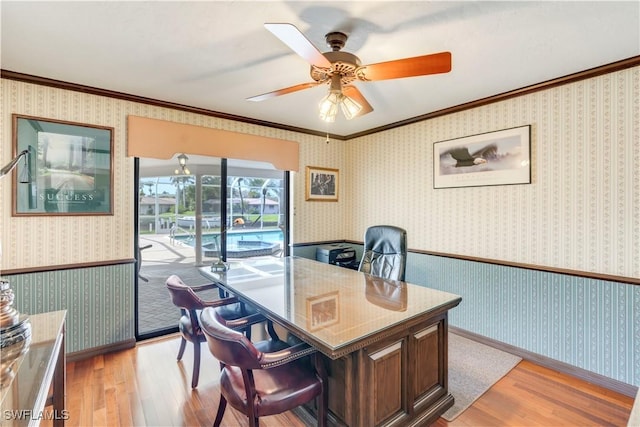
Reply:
x=321 y=184
x=323 y=311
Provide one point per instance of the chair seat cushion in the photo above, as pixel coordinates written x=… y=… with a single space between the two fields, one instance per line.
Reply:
x=278 y=389
x=228 y=312
x=235 y=311
x=270 y=346
x=186 y=329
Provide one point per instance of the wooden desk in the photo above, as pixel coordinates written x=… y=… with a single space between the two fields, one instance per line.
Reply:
x=384 y=342
x=24 y=391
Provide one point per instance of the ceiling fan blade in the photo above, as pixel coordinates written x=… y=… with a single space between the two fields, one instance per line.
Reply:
x=284 y=91
x=353 y=93
x=292 y=37
x=409 y=67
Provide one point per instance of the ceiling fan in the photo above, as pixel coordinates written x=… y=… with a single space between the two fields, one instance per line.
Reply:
x=339 y=69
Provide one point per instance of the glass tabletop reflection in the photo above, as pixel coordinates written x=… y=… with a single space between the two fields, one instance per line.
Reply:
x=334 y=306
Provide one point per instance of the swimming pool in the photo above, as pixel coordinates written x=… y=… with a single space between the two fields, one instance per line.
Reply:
x=240 y=243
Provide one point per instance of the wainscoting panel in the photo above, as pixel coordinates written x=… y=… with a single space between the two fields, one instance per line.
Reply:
x=588 y=323
x=580 y=212
x=99 y=302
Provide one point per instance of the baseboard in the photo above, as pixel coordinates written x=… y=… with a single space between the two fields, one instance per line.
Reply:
x=97 y=351
x=556 y=365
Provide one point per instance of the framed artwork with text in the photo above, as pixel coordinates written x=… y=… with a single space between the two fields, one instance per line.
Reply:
x=69 y=165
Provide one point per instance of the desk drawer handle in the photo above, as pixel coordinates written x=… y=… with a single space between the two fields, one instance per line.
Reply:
x=387 y=350
x=427 y=331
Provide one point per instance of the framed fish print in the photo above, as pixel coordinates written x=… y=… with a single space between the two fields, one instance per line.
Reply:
x=69 y=167
x=494 y=158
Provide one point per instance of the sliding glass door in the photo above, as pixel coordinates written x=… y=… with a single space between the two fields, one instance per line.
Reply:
x=187 y=218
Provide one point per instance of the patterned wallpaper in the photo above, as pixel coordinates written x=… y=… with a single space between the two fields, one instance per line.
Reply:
x=99 y=302
x=588 y=323
x=103 y=238
x=581 y=212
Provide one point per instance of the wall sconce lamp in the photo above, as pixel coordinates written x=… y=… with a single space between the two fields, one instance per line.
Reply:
x=182 y=165
x=15 y=328
x=24 y=177
x=335 y=97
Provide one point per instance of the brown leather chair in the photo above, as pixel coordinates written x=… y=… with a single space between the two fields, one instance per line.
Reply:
x=190 y=304
x=257 y=381
x=385 y=252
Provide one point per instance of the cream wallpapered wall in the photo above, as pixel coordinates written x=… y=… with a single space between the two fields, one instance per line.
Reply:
x=315 y=221
x=42 y=241
x=51 y=241
x=581 y=212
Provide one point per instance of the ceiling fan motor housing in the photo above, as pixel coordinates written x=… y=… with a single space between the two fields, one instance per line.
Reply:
x=342 y=63
x=336 y=40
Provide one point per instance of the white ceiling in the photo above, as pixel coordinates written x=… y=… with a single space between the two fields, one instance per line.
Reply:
x=215 y=54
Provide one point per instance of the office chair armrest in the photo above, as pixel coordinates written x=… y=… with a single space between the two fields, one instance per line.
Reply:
x=244 y=322
x=282 y=357
x=204 y=287
x=219 y=302
x=221 y=291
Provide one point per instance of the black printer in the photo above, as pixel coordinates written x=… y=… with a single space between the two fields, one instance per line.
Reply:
x=340 y=254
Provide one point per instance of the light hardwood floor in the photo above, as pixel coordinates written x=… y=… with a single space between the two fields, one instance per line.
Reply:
x=145 y=386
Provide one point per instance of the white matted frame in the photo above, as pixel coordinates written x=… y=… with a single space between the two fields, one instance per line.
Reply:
x=321 y=184
x=495 y=158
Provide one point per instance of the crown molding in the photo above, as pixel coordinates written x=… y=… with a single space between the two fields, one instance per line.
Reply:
x=571 y=78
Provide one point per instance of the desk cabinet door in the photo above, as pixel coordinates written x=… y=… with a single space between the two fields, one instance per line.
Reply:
x=385 y=377
x=403 y=376
x=429 y=364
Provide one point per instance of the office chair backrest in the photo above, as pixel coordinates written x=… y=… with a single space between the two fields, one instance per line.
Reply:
x=385 y=252
x=387 y=294
x=228 y=346
x=182 y=295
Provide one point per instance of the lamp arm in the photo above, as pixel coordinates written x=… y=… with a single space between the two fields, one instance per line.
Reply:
x=5 y=170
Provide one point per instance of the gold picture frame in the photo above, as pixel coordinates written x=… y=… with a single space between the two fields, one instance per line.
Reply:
x=322 y=184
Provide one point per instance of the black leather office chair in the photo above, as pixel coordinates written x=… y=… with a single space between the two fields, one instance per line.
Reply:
x=387 y=294
x=385 y=252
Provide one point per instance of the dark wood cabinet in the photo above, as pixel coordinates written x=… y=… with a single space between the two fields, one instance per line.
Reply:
x=399 y=380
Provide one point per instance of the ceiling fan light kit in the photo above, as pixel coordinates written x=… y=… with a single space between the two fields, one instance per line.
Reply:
x=339 y=69
x=329 y=104
x=350 y=108
x=329 y=107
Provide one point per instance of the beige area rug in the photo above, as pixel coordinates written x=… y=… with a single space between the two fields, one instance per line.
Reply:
x=473 y=369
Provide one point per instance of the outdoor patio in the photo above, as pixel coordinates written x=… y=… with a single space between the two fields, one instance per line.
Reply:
x=165 y=257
